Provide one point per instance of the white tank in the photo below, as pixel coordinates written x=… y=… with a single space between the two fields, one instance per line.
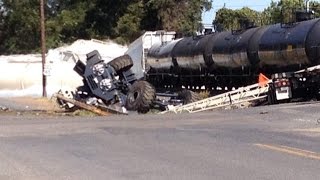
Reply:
x=22 y=74
x=26 y=75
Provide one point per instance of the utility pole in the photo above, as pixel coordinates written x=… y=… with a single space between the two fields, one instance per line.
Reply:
x=43 y=49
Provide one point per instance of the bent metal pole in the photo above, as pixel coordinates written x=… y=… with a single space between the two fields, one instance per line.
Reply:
x=43 y=48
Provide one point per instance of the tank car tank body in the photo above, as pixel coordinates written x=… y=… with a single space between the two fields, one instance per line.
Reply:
x=234 y=58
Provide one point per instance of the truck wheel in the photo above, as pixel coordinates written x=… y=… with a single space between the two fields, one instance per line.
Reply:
x=140 y=97
x=122 y=63
x=188 y=96
x=82 y=92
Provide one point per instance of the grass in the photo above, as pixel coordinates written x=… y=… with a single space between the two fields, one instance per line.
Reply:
x=204 y=94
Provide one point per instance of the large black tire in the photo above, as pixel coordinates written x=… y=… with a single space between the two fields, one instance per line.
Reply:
x=82 y=92
x=140 y=97
x=188 y=96
x=121 y=63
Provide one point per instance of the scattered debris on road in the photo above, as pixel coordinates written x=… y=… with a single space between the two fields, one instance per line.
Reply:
x=85 y=106
x=2 y=108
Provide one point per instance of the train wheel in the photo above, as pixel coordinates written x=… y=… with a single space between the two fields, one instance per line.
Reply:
x=122 y=63
x=188 y=96
x=140 y=97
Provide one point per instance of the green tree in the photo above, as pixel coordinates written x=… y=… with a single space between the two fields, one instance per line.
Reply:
x=315 y=6
x=68 y=20
x=129 y=25
x=102 y=19
x=247 y=14
x=282 y=11
x=20 y=26
x=20 y=30
x=231 y=19
x=180 y=15
x=148 y=15
x=67 y=23
x=2 y=25
x=226 y=18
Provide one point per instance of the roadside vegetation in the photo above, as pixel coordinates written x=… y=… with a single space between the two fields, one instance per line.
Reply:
x=68 y=20
x=281 y=11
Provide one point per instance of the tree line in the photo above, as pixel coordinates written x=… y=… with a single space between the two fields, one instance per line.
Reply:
x=120 y=20
x=68 y=20
x=278 y=12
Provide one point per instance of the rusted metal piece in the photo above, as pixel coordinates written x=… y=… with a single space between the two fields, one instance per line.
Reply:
x=84 y=106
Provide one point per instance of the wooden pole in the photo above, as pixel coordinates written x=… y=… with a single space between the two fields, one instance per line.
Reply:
x=43 y=48
x=83 y=105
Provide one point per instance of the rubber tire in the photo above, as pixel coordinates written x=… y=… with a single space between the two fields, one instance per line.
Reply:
x=121 y=63
x=188 y=96
x=82 y=89
x=140 y=97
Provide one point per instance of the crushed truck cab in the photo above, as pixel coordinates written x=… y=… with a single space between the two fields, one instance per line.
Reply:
x=112 y=85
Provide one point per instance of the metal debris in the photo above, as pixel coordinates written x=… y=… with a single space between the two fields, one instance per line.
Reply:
x=2 y=108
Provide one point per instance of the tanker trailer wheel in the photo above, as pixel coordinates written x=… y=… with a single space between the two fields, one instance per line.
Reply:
x=122 y=63
x=188 y=96
x=140 y=97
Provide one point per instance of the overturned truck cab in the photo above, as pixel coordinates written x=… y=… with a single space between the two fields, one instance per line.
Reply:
x=112 y=85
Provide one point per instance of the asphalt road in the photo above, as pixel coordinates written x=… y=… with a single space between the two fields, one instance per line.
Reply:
x=271 y=142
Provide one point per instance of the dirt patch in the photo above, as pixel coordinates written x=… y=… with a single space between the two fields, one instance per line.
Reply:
x=36 y=106
x=41 y=104
x=32 y=104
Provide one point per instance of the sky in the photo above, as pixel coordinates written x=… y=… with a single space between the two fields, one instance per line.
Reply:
x=258 y=5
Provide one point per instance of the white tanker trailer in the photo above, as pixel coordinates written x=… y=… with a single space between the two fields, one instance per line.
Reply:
x=22 y=74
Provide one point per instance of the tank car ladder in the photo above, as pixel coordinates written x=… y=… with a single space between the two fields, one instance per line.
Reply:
x=236 y=97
